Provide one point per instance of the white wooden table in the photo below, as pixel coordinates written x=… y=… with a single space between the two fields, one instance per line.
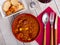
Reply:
x=6 y=36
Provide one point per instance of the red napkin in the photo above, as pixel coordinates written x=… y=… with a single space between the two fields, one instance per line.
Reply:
x=40 y=37
x=58 y=30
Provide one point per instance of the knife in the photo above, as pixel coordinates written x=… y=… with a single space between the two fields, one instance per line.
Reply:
x=56 y=22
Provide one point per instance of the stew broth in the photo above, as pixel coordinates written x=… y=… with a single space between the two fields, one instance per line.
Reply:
x=25 y=27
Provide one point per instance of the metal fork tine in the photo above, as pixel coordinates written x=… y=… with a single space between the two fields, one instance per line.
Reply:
x=51 y=17
x=52 y=14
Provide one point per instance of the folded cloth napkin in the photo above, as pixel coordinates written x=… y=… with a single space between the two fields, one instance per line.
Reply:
x=40 y=37
x=58 y=30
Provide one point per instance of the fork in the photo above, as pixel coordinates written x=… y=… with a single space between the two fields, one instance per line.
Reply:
x=51 y=22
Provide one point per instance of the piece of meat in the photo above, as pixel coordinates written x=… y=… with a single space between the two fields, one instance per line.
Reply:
x=11 y=10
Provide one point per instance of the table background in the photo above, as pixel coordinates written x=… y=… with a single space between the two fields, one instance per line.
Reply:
x=6 y=37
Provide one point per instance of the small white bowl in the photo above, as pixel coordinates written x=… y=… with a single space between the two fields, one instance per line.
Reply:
x=3 y=13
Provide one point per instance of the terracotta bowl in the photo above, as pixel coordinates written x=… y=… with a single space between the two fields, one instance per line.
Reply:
x=25 y=27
